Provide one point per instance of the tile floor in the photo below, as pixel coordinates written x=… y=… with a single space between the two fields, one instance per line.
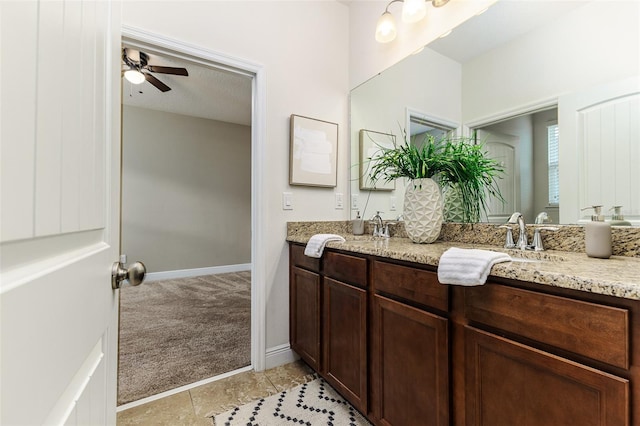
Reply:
x=197 y=406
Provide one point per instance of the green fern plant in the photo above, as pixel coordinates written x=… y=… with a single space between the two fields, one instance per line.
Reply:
x=451 y=161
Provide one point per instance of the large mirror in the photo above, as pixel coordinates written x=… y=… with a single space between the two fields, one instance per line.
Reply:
x=522 y=74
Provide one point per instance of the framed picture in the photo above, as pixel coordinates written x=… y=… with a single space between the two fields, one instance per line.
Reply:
x=371 y=144
x=313 y=157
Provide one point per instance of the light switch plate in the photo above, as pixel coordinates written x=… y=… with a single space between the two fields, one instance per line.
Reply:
x=287 y=201
x=354 y=201
x=339 y=201
x=392 y=204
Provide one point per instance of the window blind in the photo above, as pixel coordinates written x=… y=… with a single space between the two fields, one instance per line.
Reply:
x=554 y=174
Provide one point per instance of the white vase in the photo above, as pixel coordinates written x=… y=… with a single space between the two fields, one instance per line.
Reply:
x=453 y=207
x=423 y=210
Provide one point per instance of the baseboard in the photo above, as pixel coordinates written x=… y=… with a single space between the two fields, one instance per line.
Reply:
x=184 y=273
x=279 y=355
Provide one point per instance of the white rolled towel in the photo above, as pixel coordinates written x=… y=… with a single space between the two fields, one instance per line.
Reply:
x=468 y=266
x=316 y=244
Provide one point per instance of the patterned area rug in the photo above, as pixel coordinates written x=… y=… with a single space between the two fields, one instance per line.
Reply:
x=176 y=332
x=311 y=404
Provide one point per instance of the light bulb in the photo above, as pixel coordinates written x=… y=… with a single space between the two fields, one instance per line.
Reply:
x=386 y=28
x=413 y=10
x=134 y=76
x=439 y=3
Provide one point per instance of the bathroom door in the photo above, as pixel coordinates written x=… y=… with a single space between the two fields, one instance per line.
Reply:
x=60 y=194
x=504 y=148
x=599 y=149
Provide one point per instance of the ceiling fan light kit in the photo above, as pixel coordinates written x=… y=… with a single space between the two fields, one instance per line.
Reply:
x=140 y=70
x=134 y=76
x=412 y=11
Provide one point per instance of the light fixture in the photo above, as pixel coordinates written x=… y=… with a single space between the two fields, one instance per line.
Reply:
x=134 y=76
x=439 y=3
x=386 y=28
x=412 y=11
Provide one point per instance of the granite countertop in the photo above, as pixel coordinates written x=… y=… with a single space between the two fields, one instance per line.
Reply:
x=617 y=276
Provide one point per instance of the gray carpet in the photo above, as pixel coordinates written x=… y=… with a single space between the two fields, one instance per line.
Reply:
x=177 y=332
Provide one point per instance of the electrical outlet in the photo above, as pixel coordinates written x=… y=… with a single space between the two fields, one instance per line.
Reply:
x=287 y=201
x=339 y=201
x=354 y=201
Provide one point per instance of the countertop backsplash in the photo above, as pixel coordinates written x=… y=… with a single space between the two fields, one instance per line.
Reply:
x=626 y=240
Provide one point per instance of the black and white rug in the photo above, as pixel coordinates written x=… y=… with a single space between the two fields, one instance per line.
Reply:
x=311 y=404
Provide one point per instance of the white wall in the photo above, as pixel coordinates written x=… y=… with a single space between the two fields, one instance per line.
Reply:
x=590 y=45
x=427 y=82
x=302 y=46
x=186 y=191
x=368 y=57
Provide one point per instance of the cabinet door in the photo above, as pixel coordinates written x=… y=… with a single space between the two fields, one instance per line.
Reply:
x=410 y=367
x=304 y=315
x=508 y=384
x=345 y=340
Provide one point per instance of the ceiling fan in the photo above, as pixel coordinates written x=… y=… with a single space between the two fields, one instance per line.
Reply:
x=139 y=69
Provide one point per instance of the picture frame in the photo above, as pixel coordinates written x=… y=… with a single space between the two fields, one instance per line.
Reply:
x=313 y=152
x=370 y=143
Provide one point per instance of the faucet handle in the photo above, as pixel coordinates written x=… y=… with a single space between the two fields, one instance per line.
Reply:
x=509 y=241
x=514 y=217
x=537 y=238
x=542 y=217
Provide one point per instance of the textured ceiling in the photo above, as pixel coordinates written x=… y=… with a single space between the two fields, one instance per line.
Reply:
x=210 y=93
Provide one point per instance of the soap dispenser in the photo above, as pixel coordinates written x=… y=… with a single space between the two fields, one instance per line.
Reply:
x=358 y=225
x=618 y=219
x=597 y=235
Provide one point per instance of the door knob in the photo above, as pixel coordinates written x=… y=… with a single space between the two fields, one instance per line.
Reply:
x=135 y=274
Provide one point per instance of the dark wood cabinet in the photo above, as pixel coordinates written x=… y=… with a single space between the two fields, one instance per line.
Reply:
x=344 y=337
x=328 y=319
x=406 y=350
x=304 y=315
x=508 y=383
x=304 y=306
x=409 y=365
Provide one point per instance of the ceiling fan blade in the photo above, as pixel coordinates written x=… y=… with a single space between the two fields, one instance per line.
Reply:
x=157 y=83
x=167 y=70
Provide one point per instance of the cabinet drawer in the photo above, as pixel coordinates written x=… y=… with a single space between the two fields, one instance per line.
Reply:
x=297 y=258
x=345 y=268
x=596 y=331
x=413 y=284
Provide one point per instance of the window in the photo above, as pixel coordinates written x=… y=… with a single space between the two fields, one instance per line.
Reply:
x=554 y=174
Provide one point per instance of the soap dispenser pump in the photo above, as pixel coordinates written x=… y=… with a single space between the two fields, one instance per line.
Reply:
x=597 y=235
x=617 y=219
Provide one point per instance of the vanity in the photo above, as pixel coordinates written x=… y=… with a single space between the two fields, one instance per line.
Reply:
x=550 y=339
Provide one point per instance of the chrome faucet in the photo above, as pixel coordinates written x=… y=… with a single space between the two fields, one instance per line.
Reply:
x=522 y=238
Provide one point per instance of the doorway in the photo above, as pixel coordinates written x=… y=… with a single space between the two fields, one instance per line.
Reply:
x=158 y=48
x=524 y=146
